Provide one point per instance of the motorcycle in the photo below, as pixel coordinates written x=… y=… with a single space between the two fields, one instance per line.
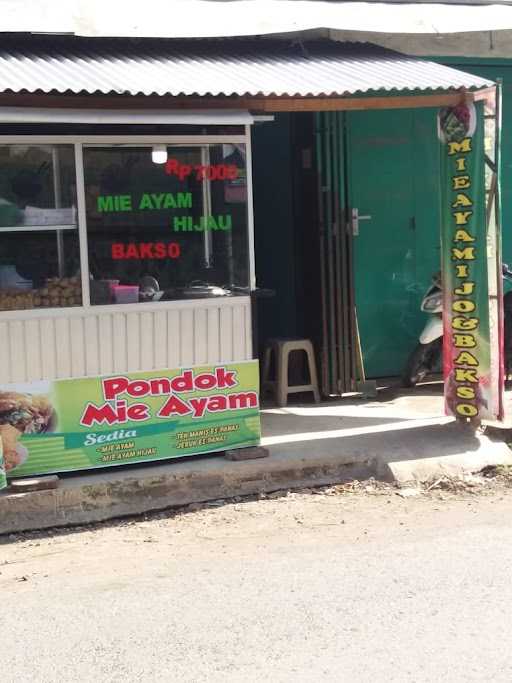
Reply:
x=427 y=355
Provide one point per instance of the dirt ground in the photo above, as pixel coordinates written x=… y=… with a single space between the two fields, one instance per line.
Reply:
x=377 y=582
x=357 y=503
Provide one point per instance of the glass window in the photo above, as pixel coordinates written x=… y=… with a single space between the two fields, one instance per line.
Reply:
x=39 y=246
x=166 y=223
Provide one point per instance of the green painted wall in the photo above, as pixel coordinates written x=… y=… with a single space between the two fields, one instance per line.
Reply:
x=280 y=264
x=393 y=174
x=401 y=320
x=396 y=253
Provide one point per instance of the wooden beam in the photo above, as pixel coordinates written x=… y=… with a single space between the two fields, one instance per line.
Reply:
x=360 y=103
x=486 y=94
x=254 y=104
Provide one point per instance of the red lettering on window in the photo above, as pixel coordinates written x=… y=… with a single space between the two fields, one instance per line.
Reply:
x=232 y=172
x=171 y=166
x=211 y=172
x=160 y=251
x=131 y=251
x=117 y=251
x=174 y=250
x=184 y=171
x=145 y=250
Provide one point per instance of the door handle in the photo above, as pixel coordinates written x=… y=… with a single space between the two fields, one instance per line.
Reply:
x=355 y=221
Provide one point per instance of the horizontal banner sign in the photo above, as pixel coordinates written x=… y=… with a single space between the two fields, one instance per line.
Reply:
x=80 y=424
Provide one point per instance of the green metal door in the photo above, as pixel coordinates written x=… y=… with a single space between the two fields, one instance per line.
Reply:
x=392 y=179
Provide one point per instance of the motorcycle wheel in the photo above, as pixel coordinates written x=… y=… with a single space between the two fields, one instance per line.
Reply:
x=420 y=363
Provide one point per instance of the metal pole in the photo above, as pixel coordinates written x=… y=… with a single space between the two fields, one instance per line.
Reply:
x=58 y=204
x=207 y=208
x=250 y=207
x=345 y=287
x=251 y=246
x=333 y=359
x=82 y=224
x=337 y=228
x=354 y=355
x=321 y=230
x=497 y=237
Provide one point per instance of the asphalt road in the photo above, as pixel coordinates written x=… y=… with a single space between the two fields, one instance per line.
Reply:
x=304 y=588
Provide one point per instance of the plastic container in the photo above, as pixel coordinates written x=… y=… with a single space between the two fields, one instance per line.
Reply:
x=126 y=294
x=11 y=279
x=102 y=291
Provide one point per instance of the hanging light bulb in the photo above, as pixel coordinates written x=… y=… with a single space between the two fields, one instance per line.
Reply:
x=159 y=154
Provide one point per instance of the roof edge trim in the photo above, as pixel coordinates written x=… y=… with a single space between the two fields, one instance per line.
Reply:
x=126 y=116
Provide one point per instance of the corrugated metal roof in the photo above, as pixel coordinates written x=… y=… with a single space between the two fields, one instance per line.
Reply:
x=58 y=64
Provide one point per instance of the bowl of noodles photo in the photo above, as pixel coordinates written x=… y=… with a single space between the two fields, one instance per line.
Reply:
x=457 y=123
x=22 y=413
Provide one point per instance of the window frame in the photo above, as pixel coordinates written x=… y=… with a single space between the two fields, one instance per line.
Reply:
x=79 y=142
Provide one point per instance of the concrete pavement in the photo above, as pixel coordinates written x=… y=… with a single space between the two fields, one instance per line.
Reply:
x=350 y=588
x=401 y=436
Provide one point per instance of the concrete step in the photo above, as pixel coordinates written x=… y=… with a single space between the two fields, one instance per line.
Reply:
x=106 y=494
x=402 y=452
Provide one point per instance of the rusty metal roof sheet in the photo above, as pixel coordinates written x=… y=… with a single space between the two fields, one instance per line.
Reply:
x=223 y=67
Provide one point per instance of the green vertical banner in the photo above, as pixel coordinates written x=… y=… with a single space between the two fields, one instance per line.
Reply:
x=473 y=379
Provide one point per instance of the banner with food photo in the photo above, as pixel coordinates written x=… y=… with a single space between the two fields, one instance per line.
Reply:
x=473 y=382
x=79 y=424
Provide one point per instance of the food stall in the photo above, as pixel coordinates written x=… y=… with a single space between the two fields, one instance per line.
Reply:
x=127 y=251
x=126 y=262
